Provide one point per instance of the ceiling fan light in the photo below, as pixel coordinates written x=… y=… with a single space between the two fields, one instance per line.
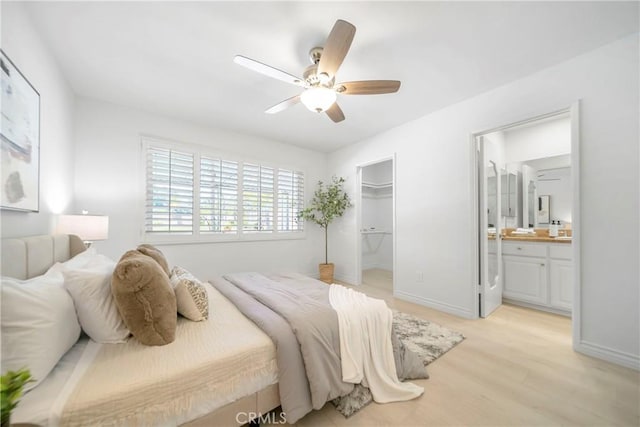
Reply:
x=318 y=99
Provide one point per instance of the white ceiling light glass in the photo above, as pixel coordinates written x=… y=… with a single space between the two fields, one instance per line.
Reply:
x=318 y=98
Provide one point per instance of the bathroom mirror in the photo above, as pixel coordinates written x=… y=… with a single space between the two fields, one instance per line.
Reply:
x=509 y=190
x=543 y=210
x=492 y=199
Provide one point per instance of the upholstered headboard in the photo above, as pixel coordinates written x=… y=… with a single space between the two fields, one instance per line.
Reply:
x=27 y=257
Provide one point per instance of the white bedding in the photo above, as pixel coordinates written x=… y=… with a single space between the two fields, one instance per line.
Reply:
x=211 y=363
x=366 y=351
x=36 y=405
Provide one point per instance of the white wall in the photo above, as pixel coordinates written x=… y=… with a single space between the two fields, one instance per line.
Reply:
x=378 y=173
x=22 y=44
x=434 y=192
x=547 y=139
x=110 y=182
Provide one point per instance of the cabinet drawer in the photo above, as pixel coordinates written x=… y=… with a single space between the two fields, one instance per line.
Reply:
x=524 y=249
x=560 y=251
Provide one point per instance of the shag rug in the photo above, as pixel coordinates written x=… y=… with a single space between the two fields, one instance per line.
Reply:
x=429 y=340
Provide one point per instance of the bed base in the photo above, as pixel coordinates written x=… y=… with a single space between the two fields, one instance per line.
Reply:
x=241 y=411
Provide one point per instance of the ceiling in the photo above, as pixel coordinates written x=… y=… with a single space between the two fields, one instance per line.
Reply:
x=176 y=58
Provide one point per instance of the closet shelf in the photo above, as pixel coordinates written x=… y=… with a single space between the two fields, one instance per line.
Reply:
x=375 y=232
x=376 y=185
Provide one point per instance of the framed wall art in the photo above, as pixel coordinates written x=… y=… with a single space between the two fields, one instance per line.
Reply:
x=20 y=138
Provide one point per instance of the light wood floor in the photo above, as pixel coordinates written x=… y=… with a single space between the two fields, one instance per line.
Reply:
x=378 y=278
x=515 y=368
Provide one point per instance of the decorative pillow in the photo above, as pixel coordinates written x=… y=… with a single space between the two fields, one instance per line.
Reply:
x=78 y=261
x=90 y=288
x=156 y=254
x=191 y=295
x=145 y=299
x=39 y=324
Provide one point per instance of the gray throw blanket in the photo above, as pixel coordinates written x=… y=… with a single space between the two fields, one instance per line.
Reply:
x=295 y=312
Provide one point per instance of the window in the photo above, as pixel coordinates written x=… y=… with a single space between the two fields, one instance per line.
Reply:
x=218 y=196
x=257 y=198
x=290 y=200
x=169 y=201
x=200 y=196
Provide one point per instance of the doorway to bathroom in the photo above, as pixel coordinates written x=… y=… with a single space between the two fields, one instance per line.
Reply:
x=527 y=215
x=376 y=224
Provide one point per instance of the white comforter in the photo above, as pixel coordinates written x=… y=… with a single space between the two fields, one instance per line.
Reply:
x=365 y=345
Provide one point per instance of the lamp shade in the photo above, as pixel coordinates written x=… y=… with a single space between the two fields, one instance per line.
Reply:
x=87 y=227
x=318 y=98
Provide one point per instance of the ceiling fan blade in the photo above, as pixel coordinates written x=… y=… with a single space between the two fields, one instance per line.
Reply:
x=284 y=105
x=268 y=70
x=335 y=113
x=336 y=47
x=368 y=87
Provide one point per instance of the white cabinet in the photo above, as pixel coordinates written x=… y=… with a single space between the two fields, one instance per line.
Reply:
x=538 y=274
x=561 y=276
x=525 y=278
x=561 y=281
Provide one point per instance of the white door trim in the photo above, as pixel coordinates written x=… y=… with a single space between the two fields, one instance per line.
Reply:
x=576 y=239
x=574 y=114
x=358 y=206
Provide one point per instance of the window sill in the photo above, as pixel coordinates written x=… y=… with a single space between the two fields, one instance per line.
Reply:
x=191 y=240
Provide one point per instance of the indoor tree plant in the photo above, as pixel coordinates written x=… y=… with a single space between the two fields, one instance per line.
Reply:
x=11 y=391
x=329 y=202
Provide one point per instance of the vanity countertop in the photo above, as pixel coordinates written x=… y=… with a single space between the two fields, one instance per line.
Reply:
x=544 y=239
x=542 y=235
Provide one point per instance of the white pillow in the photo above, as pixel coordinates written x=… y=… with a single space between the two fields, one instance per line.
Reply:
x=191 y=296
x=39 y=324
x=78 y=261
x=90 y=288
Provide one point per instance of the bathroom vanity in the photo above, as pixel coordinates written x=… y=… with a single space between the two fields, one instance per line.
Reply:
x=538 y=273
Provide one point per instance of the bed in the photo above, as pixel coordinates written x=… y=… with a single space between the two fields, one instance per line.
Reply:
x=269 y=340
x=220 y=384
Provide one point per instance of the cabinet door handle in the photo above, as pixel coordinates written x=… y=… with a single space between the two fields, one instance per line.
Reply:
x=542 y=265
x=519 y=248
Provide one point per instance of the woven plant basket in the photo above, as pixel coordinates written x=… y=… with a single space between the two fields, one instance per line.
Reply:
x=326 y=273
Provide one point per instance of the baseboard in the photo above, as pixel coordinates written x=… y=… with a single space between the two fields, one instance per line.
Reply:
x=551 y=310
x=621 y=358
x=440 y=306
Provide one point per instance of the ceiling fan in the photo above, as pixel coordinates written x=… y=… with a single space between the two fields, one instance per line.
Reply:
x=320 y=90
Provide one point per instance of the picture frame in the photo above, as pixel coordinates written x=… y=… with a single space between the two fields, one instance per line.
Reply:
x=19 y=139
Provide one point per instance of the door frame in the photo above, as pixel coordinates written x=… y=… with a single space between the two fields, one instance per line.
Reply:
x=574 y=116
x=358 y=207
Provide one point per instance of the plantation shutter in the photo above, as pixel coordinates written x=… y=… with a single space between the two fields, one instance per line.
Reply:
x=290 y=200
x=257 y=198
x=218 y=196
x=169 y=198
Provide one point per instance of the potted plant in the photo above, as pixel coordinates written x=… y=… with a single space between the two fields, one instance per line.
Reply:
x=11 y=392
x=329 y=202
